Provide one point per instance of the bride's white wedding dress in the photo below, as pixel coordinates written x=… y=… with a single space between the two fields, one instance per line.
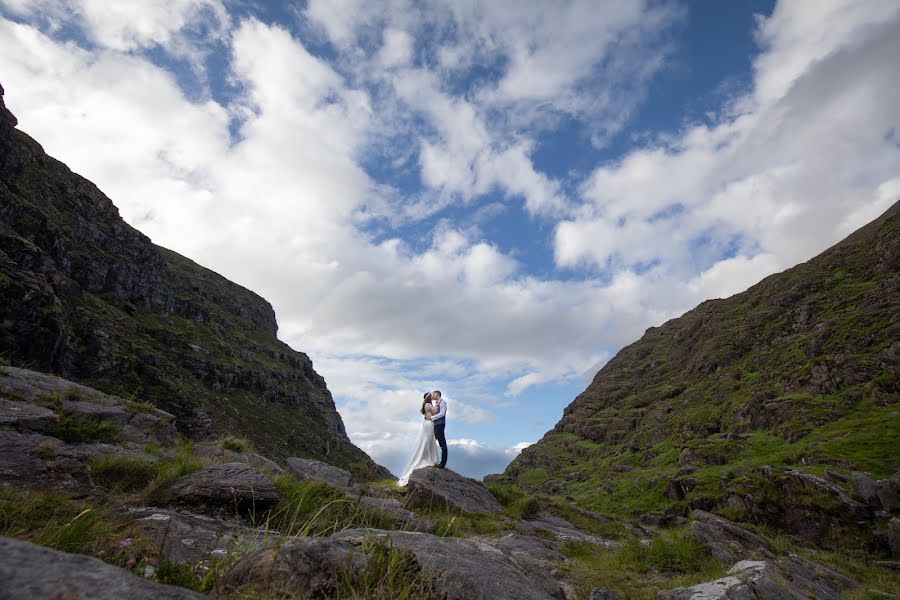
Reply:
x=425 y=453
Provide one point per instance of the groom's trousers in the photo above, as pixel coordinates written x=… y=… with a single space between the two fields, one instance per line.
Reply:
x=442 y=441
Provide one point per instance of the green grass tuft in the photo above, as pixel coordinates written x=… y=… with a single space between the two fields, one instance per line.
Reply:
x=75 y=430
x=123 y=473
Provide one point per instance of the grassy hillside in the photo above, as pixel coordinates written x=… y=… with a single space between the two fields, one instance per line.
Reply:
x=800 y=370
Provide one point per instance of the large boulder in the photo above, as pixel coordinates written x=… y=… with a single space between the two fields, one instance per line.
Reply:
x=223 y=489
x=314 y=470
x=784 y=579
x=394 y=509
x=30 y=572
x=447 y=488
x=188 y=538
x=300 y=568
x=727 y=542
x=467 y=569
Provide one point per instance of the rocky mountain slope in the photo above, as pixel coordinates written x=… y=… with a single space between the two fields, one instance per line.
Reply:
x=86 y=296
x=742 y=405
x=99 y=498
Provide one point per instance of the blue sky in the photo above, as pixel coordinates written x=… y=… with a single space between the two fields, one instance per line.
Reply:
x=490 y=198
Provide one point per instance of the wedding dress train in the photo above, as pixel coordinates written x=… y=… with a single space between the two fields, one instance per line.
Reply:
x=424 y=455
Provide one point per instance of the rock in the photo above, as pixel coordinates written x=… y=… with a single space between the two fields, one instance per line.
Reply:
x=894 y=538
x=153 y=425
x=30 y=572
x=305 y=468
x=23 y=416
x=224 y=455
x=300 y=568
x=727 y=542
x=864 y=488
x=604 y=594
x=34 y=461
x=836 y=476
x=81 y=409
x=678 y=489
x=446 y=487
x=223 y=489
x=526 y=547
x=562 y=530
x=393 y=508
x=468 y=569
x=799 y=503
x=889 y=494
x=188 y=538
x=784 y=579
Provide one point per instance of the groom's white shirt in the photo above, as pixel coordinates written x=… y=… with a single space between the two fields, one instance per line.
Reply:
x=442 y=410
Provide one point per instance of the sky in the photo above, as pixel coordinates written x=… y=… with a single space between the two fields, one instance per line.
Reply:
x=486 y=198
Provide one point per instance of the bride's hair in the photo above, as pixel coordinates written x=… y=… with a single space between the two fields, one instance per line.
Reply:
x=426 y=399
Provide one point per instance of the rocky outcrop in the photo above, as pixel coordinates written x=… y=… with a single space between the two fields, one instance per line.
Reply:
x=28 y=572
x=791 y=577
x=36 y=401
x=447 y=488
x=460 y=569
x=197 y=539
x=525 y=547
x=35 y=461
x=798 y=502
x=314 y=470
x=604 y=594
x=812 y=349
x=562 y=531
x=230 y=488
x=85 y=295
x=727 y=542
x=300 y=568
x=403 y=519
x=224 y=455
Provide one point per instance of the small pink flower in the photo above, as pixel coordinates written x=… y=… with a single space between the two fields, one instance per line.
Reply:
x=126 y=543
x=150 y=561
x=131 y=561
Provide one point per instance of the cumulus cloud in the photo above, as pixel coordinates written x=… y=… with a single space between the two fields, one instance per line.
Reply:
x=760 y=182
x=272 y=184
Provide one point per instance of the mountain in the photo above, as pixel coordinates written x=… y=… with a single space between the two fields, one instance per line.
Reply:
x=800 y=373
x=86 y=296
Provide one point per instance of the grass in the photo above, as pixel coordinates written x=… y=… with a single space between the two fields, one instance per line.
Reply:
x=58 y=522
x=392 y=572
x=672 y=560
x=183 y=463
x=316 y=508
x=123 y=473
x=850 y=560
x=235 y=444
x=72 y=429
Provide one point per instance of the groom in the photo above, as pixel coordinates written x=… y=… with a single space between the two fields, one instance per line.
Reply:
x=440 y=422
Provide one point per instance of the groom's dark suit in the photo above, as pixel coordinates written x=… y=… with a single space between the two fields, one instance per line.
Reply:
x=440 y=422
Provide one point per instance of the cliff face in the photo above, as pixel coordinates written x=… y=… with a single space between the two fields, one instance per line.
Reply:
x=801 y=370
x=86 y=296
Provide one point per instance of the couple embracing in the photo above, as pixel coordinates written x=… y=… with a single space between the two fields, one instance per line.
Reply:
x=434 y=411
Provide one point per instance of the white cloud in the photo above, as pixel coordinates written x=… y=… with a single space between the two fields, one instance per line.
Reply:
x=764 y=179
x=286 y=208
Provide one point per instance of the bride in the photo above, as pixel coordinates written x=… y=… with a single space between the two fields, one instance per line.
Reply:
x=425 y=453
